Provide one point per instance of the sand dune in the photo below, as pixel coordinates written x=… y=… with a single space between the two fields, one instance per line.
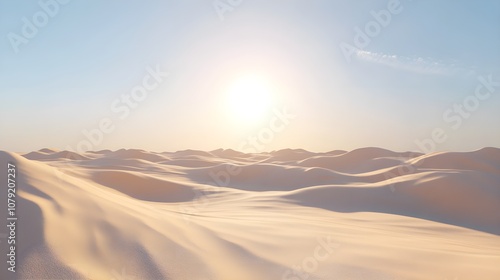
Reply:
x=47 y=154
x=144 y=187
x=485 y=160
x=289 y=214
x=447 y=197
x=359 y=161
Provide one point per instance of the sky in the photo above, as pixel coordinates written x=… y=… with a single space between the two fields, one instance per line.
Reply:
x=250 y=75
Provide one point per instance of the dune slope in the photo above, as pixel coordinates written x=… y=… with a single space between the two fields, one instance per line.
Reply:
x=289 y=214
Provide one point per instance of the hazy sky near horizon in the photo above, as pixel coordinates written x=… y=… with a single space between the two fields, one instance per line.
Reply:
x=331 y=74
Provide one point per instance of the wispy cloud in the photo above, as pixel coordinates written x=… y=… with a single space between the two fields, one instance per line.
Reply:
x=414 y=64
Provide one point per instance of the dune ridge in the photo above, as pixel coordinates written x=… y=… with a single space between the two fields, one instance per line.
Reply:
x=223 y=214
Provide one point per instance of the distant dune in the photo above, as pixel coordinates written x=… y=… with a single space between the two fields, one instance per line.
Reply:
x=290 y=214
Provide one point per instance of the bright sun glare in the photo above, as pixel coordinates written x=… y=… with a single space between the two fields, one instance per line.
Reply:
x=249 y=98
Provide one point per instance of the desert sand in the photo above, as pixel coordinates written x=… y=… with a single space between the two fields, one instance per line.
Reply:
x=369 y=213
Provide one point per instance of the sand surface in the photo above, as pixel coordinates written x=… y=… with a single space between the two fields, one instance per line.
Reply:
x=289 y=214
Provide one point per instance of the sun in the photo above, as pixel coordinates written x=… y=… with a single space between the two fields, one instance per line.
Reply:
x=249 y=98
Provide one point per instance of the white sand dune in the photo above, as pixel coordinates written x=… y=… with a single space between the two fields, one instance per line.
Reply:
x=289 y=214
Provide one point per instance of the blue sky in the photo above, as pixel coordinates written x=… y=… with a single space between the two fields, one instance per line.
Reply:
x=391 y=93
